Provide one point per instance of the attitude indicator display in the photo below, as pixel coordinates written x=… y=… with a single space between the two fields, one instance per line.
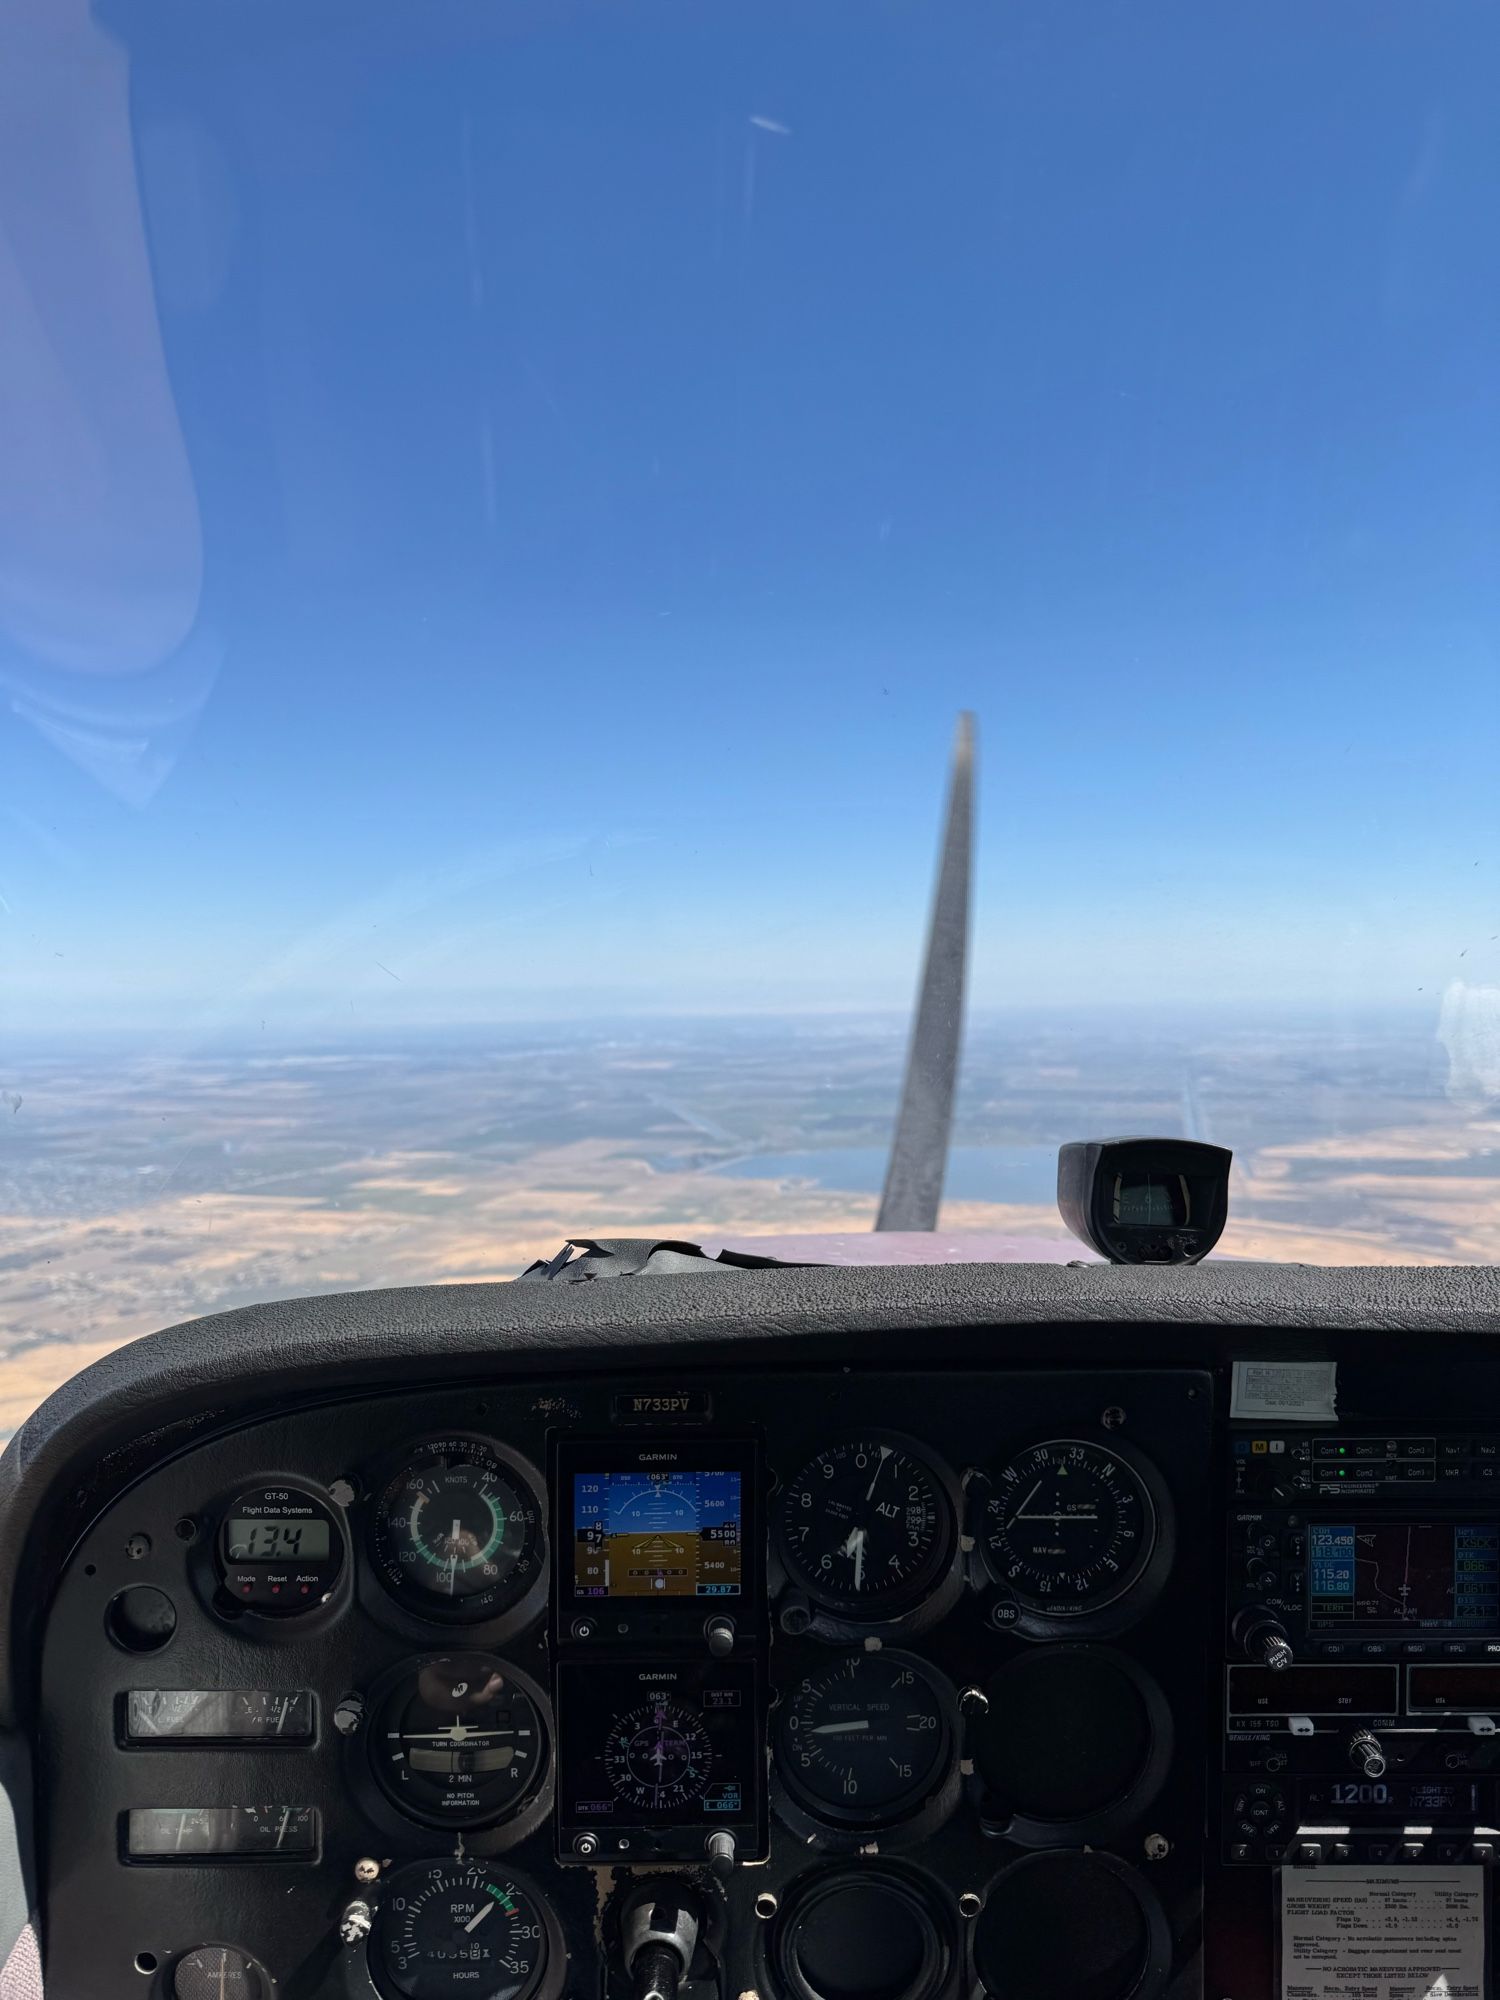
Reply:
x=672 y=1532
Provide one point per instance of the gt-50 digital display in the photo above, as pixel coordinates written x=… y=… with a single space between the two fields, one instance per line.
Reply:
x=657 y=1533
x=1424 y=1800
x=276 y=1541
x=1380 y=1576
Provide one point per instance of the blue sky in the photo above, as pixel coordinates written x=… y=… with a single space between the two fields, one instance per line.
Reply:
x=519 y=531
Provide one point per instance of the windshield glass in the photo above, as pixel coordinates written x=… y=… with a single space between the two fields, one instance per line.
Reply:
x=500 y=509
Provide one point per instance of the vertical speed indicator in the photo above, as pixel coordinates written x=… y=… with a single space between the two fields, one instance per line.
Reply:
x=1070 y=1527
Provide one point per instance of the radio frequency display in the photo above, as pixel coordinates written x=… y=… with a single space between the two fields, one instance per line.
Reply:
x=656 y=1534
x=1430 y=1576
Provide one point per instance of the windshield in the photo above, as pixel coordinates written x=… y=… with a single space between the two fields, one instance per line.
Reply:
x=500 y=509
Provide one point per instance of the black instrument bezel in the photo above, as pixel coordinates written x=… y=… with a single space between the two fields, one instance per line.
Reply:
x=484 y=1832
x=515 y=1599
x=917 y=1814
x=840 y=1615
x=594 y=1622
x=1135 y=1594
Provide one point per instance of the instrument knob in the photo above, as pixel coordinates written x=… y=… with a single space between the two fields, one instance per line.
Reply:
x=1262 y=1637
x=355 y=1923
x=719 y=1632
x=1366 y=1755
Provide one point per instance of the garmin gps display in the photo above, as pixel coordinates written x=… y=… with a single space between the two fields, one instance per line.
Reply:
x=1429 y=1576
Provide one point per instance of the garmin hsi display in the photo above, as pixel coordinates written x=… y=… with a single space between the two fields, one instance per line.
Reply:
x=659 y=1630
x=1362 y=1699
x=660 y=1762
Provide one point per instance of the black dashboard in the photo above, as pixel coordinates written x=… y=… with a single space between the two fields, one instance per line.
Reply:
x=851 y=1635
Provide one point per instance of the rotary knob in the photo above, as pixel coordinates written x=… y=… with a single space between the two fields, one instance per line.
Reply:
x=1366 y=1755
x=1262 y=1637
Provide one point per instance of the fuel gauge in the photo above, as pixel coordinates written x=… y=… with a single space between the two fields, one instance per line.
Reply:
x=218 y=1715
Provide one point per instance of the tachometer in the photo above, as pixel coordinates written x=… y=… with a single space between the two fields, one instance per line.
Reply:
x=1069 y=1527
x=457 y=1532
x=449 y=1929
x=868 y=1527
